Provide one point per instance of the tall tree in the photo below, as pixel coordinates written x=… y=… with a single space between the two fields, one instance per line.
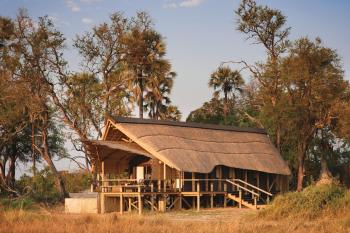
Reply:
x=157 y=94
x=314 y=84
x=266 y=26
x=228 y=82
x=145 y=51
x=30 y=60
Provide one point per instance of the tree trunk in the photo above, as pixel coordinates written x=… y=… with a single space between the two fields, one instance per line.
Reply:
x=278 y=136
x=59 y=180
x=11 y=175
x=301 y=164
x=225 y=108
x=33 y=150
x=47 y=157
x=325 y=174
x=141 y=98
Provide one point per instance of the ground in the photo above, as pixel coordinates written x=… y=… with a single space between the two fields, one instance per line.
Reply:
x=215 y=220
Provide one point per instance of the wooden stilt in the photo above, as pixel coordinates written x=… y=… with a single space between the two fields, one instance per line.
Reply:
x=180 y=202
x=198 y=202
x=211 y=195
x=121 y=203
x=139 y=199
x=152 y=197
x=129 y=206
x=103 y=203
x=240 y=199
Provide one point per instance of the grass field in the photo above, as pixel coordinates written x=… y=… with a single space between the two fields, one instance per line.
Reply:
x=315 y=210
x=218 y=221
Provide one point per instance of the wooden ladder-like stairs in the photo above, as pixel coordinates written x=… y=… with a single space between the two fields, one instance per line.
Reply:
x=241 y=202
x=252 y=200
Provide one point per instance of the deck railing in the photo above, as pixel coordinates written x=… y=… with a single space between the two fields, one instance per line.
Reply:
x=180 y=185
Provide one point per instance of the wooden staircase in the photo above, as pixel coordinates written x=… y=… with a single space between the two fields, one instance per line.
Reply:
x=252 y=199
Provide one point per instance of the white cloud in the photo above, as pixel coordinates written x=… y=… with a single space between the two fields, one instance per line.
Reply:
x=73 y=6
x=183 y=3
x=190 y=3
x=90 y=1
x=86 y=20
x=170 y=5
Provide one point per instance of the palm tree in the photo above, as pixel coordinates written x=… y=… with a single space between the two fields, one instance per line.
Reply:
x=227 y=81
x=157 y=96
x=144 y=51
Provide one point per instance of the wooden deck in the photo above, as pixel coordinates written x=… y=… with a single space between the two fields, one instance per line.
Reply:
x=163 y=195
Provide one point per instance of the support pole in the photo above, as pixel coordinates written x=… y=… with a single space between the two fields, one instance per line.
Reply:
x=152 y=197
x=103 y=203
x=121 y=203
x=198 y=202
x=139 y=198
x=211 y=195
x=198 y=196
x=240 y=198
x=164 y=173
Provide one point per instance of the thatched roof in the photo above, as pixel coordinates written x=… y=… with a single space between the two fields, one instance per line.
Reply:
x=200 y=147
x=106 y=148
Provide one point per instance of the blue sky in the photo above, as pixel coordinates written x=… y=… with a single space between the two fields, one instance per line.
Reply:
x=200 y=34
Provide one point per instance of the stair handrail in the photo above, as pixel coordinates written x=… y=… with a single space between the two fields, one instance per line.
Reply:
x=253 y=186
x=241 y=187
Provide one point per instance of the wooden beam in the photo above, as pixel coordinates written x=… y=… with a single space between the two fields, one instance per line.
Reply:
x=220 y=177
x=164 y=173
x=193 y=182
x=206 y=182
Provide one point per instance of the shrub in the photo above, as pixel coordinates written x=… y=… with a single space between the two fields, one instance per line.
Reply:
x=42 y=187
x=312 y=202
x=17 y=203
x=77 y=181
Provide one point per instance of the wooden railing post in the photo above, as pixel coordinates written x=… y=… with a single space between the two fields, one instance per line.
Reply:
x=240 y=198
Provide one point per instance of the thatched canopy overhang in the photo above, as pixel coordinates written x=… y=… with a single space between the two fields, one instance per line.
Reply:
x=102 y=150
x=192 y=147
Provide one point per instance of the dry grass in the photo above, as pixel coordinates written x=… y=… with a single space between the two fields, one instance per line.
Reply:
x=217 y=221
x=317 y=209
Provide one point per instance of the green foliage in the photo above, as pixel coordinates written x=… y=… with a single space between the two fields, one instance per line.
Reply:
x=23 y=203
x=42 y=187
x=77 y=182
x=312 y=202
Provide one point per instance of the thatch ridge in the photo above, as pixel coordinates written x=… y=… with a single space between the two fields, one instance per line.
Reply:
x=188 y=124
x=198 y=140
